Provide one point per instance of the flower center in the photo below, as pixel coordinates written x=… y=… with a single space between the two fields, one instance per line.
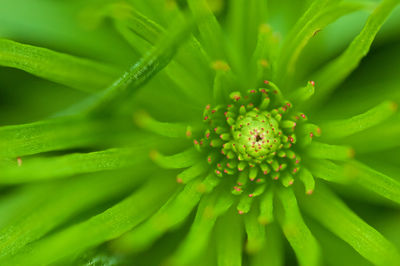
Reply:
x=256 y=136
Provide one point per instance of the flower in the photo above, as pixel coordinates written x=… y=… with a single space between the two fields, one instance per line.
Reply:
x=229 y=152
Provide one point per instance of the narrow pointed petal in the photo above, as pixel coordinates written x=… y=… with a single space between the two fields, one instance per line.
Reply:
x=209 y=28
x=335 y=72
x=172 y=130
x=171 y=214
x=327 y=151
x=343 y=128
x=137 y=75
x=272 y=252
x=228 y=230
x=180 y=160
x=74 y=72
x=210 y=208
x=328 y=12
x=331 y=212
x=105 y=226
x=296 y=231
x=45 y=168
x=255 y=232
x=39 y=209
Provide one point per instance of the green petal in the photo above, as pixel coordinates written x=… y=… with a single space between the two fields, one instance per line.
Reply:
x=343 y=128
x=174 y=212
x=330 y=211
x=255 y=232
x=296 y=231
x=318 y=19
x=375 y=181
x=172 y=130
x=209 y=28
x=336 y=71
x=51 y=135
x=105 y=226
x=37 y=169
x=327 y=151
x=176 y=161
x=41 y=208
x=272 y=252
x=228 y=231
x=210 y=208
x=356 y=174
x=137 y=75
x=78 y=73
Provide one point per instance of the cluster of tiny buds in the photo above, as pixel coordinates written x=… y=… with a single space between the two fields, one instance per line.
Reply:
x=253 y=138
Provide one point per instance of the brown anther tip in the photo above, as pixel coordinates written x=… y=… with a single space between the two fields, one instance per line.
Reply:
x=309 y=192
x=240 y=212
x=312 y=82
x=19 y=161
x=179 y=180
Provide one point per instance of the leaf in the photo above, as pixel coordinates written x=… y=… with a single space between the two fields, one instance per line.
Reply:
x=296 y=231
x=343 y=128
x=39 y=209
x=105 y=226
x=336 y=71
x=174 y=212
x=74 y=72
x=228 y=231
x=331 y=212
x=45 y=168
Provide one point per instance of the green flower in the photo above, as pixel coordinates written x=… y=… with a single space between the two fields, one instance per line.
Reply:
x=237 y=139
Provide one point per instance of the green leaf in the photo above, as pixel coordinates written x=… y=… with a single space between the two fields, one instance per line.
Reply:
x=105 y=226
x=336 y=71
x=343 y=128
x=210 y=208
x=45 y=168
x=41 y=208
x=296 y=231
x=331 y=212
x=228 y=231
x=174 y=212
x=74 y=72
